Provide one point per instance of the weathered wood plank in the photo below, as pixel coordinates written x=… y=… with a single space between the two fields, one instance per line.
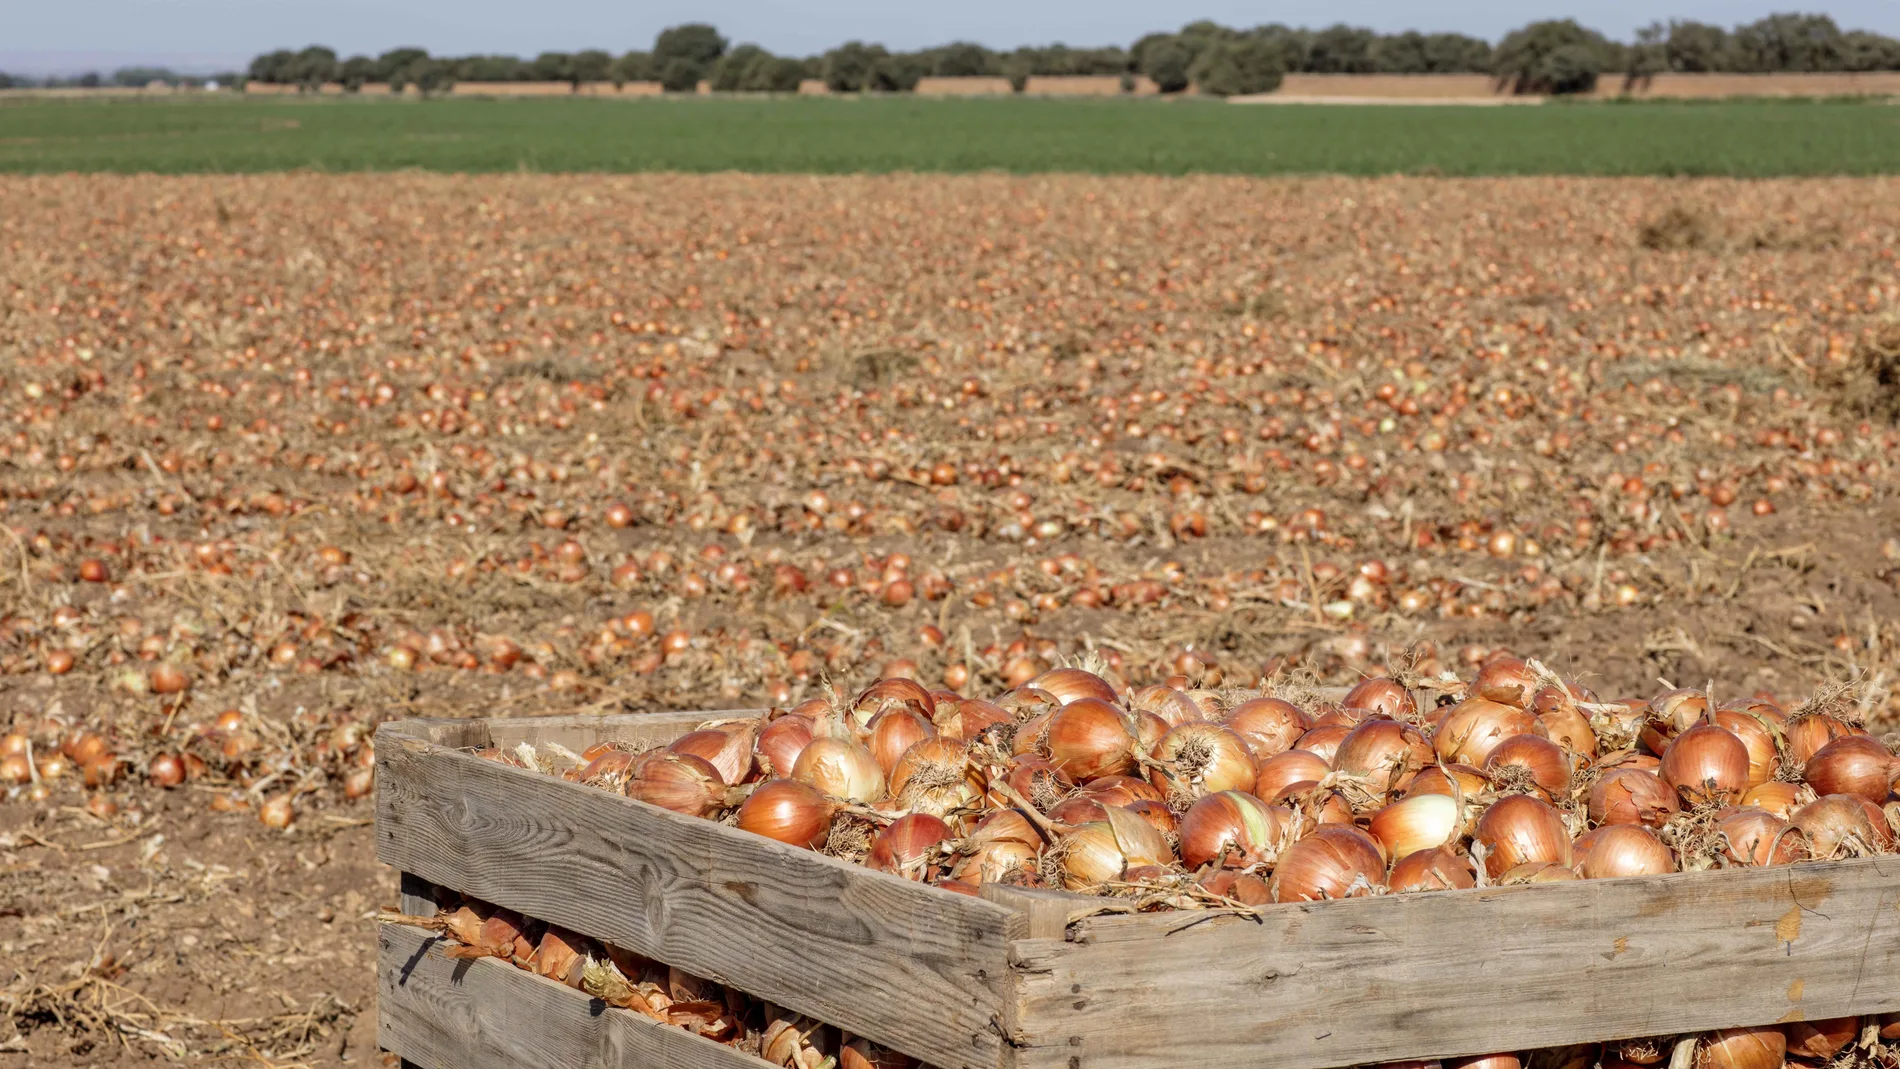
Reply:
x=437 y=1013
x=456 y=734
x=914 y=968
x=577 y=733
x=1465 y=972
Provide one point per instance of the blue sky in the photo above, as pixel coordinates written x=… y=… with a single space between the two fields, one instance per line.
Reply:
x=41 y=37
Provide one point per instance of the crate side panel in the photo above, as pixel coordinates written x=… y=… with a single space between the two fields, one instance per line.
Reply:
x=905 y=965
x=443 y=1014
x=1460 y=973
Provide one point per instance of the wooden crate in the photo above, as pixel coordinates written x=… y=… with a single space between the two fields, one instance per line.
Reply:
x=1024 y=978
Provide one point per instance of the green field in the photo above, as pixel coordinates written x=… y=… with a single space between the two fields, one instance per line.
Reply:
x=1750 y=138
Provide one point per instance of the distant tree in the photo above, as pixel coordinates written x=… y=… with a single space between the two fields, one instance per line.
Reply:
x=228 y=80
x=1788 y=42
x=591 y=65
x=1166 y=63
x=273 y=68
x=1861 y=50
x=430 y=76
x=396 y=61
x=312 y=67
x=9 y=81
x=898 y=72
x=491 y=69
x=90 y=80
x=552 y=67
x=635 y=67
x=1127 y=83
x=1138 y=52
x=1289 y=44
x=1400 y=53
x=355 y=72
x=1646 y=58
x=141 y=76
x=1697 y=47
x=1456 y=53
x=693 y=47
x=1238 y=67
x=961 y=59
x=734 y=69
x=776 y=74
x=1341 y=49
x=1556 y=56
x=1017 y=69
x=848 y=67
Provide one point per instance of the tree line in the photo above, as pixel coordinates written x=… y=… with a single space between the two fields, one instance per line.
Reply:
x=1554 y=56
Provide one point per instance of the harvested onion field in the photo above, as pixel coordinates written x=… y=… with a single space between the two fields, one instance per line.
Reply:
x=284 y=456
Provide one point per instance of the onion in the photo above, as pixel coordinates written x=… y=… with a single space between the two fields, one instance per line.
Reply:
x=1383 y=752
x=935 y=776
x=1099 y=852
x=1631 y=796
x=1088 y=738
x=1742 y=1048
x=1540 y=760
x=1121 y=790
x=1201 y=758
x=1513 y=681
x=1269 y=725
x=1081 y=808
x=1538 y=872
x=1565 y=724
x=1072 y=684
x=729 y=752
x=1234 y=827
x=1764 y=757
x=1852 y=764
x=1476 y=726
x=893 y=731
x=788 y=811
x=1449 y=780
x=165 y=770
x=1324 y=740
x=1843 y=825
x=1706 y=765
x=1437 y=869
x=907 y=845
x=1616 y=850
x=1806 y=733
x=1283 y=770
x=1418 y=823
x=1889 y=1026
x=1156 y=813
x=1381 y=696
x=1779 y=798
x=680 y=782
x=561 y=956
x=1671 y=713
x=888 y=693
x=1820 y=1040
x=1033 y=778
x=1002 y=861
x=863 y=1054
x=1029 y=734
x=1167 y=703
x=1753 y=836
x=1485 y=1061
x=968 y=717
x=841 y=769
x=781 y=742
x=611 y=768
x=1335 y=861
x=1520 y=829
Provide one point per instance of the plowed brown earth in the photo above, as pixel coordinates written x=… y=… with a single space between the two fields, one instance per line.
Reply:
x=325 y=451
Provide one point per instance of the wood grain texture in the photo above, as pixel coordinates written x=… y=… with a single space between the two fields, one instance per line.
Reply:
x=1465 y=972
x=441 y=1014
x=914 y=968
x=577 y=733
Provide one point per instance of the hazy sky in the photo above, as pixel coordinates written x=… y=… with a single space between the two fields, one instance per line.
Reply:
x=41 y=37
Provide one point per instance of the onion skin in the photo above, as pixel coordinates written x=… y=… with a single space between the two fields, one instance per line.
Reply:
x=1283 y=770
x=1778 y=797
x=678 y=782
x=1324 y=740
x=1384 y=752
x=1088 y=738
x=935 y=776
x=1476 y=726
x=1097 y=853
x=1382 y=697
x=1852 y=764
x=1707 y=765
x=1503 y=675
x=1820 y=1040
x=1566 y=726
x=1202 y=758
x=1619 y=850
x=730 y=754
x=781 y=742
x=788 y=811
x=1843 y=825
x=1742 y=1048
x=1521 y=829
x=1417 y=824
x=1174 y=707
x=1335 y=861
x=1538 y=872
x=1753 y=836
x=1807 y=734
x=1072 y=684
x=1269 y=725
x=1437 y=869
x=1449 y=780
x=1541 y=759
x=893 y=731
x=1671 y=713
x=906 y=845
x=1764 y=759
x=1631 y=796
x=969 y=717
x=1233 y=826
x=842 y=769
x=1485 y=1061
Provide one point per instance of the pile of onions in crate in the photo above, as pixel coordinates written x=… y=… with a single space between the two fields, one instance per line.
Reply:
x=1189 y=798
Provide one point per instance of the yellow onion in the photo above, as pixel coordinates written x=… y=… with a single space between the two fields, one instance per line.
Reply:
x=1706 y=765
x=729 y=751
x=1103 y=851
x=1436 y=869
x=1234 y=827
x=788 y=811
x=680 y=782
x=1201 y=758
x=1121 y=790
x=1381 y=697
x=1073 y=684
x=1167 y=703
x=863 y=1054
x=1843 y=825
x=1243 y=887
x=1779 y=797
x=841 y=769
x=1565 y=724
x=892 y=732
x=935 y=776
x=1631 y=796
x=1418 y=823
x=1507 y=680
x=1324 y=740
x=1852 y=764
x=1335 y=861
x=1742 y=1048
x=1671 y=713
x=1001 y=847
x=1283 y=770
x=1269 y=725
x=1538 y=872
x=966 y=718
x=781 y=742
x=888 y=693
x=1764 y=757
x=1384 y=752
x=1156 y=813
x=1753 y=836
x=1089 y=737
x=1034 y=778
x=1475 y=726
x=1806 y=733
x=561 y=956
x=1889 y=1026
x=1485 y=1061
x=1540 y=759
x=1520 y=829
x=1449 y=780
x=1616 y=850
x=907 y=846
x=1820 y=1040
